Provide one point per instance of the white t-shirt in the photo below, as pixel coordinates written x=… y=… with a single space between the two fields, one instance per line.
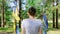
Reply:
x=31 y=26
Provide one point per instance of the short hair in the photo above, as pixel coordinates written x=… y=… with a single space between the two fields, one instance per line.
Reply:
x=32 y=11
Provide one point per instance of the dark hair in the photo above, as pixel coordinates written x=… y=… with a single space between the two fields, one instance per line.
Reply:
x=32 y=11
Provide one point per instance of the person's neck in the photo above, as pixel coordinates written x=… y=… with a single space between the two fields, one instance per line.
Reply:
x=31 y=17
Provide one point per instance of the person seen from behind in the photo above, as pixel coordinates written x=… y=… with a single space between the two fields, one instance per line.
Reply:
x=31 y=25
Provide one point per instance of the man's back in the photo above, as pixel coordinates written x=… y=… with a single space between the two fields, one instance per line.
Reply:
x=31 y=26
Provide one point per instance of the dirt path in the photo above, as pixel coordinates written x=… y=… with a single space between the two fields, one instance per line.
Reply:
x=54 y=32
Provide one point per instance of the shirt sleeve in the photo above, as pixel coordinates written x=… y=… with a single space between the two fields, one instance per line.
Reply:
x=40 y=23
x=22 y=24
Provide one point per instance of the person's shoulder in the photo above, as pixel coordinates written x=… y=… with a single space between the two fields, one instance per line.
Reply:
x=24 y=20
x=38 y=19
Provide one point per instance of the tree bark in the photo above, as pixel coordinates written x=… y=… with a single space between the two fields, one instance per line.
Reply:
x=20 y=13
x=0 y=21
x=2 y=24
x=57 y=15
x=53 y=16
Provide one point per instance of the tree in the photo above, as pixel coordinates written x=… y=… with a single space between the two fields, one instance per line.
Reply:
x=20 y=13
x=53 y=16
x=0 y=11
x=0 y=21
x=57 y=15
x=2 y=25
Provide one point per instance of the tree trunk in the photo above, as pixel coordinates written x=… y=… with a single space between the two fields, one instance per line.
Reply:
x=2 y=17
x=57 y=15
x=20 y=13
x=0 y=21
x=53 y=16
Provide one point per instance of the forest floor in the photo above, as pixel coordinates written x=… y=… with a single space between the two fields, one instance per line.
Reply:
x=54 y=32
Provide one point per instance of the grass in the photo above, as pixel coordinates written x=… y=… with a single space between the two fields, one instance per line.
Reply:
x=6 y=29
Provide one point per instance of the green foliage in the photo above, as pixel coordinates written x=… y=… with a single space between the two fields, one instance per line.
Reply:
x=39 y=8
x=30 y=3
x=6 y=29
x=7 y=15
x=24 y=14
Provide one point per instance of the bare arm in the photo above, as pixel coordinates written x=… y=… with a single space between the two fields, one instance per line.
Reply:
x=23 y=31
x=40 y=31
x=23 y=27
